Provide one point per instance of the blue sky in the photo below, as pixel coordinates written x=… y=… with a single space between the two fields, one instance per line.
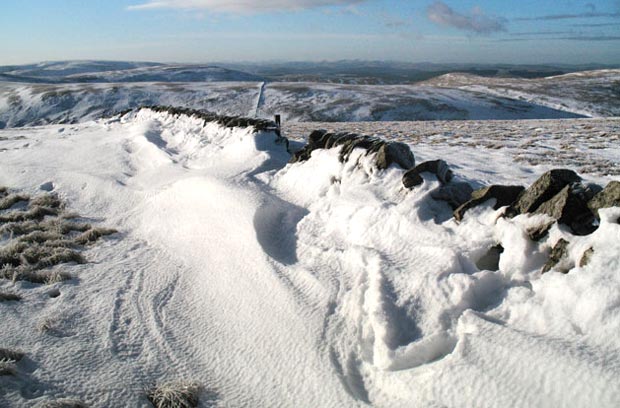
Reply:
x=485 y=31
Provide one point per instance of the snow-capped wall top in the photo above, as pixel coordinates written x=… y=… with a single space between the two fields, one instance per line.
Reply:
x=223 y=120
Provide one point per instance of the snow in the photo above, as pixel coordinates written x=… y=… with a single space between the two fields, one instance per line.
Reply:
x=68 y=99
x=317 y=283
x=587 y=93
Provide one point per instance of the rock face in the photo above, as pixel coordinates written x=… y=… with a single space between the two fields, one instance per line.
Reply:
x=609 y=197
x=504 y=195
x=558 y=253
x=455 y=194
x=439 y=168
x=386 y=153
x=570 y=207
x=543 y=189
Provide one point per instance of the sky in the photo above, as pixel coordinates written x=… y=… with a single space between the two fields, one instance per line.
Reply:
x=204 y=31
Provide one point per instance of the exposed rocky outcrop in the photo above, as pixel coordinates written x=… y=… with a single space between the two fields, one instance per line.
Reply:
x=386 y=153
x=503 y=195
x=455 y=194
x=439 y=168
x=543 y=189
x=394 y=152
x=570 y=207
x=608 y=197
x=558 y=193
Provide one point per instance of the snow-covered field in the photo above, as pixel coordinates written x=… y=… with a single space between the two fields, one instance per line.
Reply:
x=32 y=95
x=314 y=284
x=586 y=145
x=589 y=93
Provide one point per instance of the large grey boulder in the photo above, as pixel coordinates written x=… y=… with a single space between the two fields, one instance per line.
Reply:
x=543 y=189
x=503 y=195
x=439 y=168
x=609 y=197
x=570 y=207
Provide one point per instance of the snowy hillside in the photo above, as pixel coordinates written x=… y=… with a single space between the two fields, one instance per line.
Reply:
x=311 y=102
x=38 y=104
x=315 y=280
x=589 y=93
x=35 y=104
x=104 y=71
x=71 y=92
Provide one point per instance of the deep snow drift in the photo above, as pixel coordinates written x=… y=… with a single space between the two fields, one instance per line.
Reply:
x=318 y=283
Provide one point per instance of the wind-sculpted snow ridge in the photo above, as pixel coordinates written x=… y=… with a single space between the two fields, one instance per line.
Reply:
x=340 y=275
x=227 y=121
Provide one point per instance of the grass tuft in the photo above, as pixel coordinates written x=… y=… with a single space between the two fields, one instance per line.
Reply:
x=11 y=355
x=58 y=256
x=57 y=277
x=40 y=236
x=47 y=200
x=20 y=228
x=34 y=213
x=12 y=199
x=174 y=395
x=7 y=368
x=11 y=254
x=93 y=234
x=29 y=274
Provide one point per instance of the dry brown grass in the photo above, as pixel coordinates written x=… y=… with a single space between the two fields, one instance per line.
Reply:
x=92 y=235
x=41 y=236
x=11 y=355
x=12 y=199
x=180 y=394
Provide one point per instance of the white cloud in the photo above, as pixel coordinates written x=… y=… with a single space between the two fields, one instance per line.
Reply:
x=243 y=6
x=477 y=22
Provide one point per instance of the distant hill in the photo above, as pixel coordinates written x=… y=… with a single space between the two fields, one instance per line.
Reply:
x=102 y=71
x=69 y=92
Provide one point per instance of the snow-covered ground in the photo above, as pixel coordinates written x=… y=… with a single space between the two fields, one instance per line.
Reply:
x=38 y=104
x=589 y=93
x=50 y=97
x=586 y=145
x=313 y=284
